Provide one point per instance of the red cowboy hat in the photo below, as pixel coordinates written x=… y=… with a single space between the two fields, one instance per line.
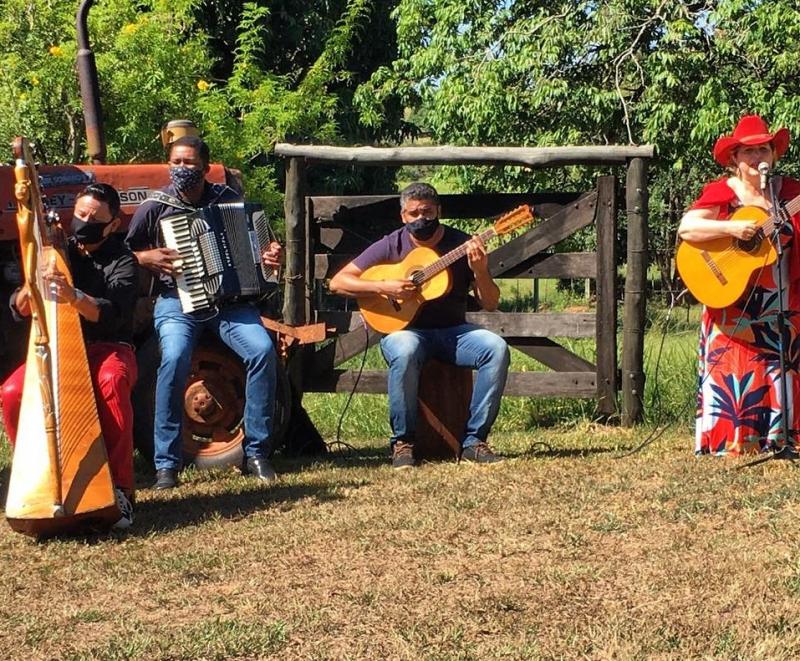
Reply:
x=751 y=130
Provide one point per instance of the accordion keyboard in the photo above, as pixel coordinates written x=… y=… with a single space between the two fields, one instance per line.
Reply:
x=191 y=291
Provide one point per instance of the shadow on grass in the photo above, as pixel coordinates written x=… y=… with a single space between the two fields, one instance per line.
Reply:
x=341 y=455
x=190 y=509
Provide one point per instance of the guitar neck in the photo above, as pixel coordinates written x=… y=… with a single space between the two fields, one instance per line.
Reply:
x=451 y=257
x=791 y=208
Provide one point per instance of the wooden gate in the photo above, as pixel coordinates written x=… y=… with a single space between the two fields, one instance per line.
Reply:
x=324 y=233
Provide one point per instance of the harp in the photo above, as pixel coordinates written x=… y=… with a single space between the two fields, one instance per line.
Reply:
x=60 y=479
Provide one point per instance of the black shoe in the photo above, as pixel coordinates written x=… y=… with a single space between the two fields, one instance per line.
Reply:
x=403 y=455
x=480 y=453
x=261 y=468
x=166 y=478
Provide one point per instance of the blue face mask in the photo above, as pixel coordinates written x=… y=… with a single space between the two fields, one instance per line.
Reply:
x=185 y=179
x=423 y=228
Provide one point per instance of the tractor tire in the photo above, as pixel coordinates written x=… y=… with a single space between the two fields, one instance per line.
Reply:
x=213 y=405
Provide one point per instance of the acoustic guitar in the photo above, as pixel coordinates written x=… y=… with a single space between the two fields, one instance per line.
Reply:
x=60 y=479
x=719 y=271
x=428 y=271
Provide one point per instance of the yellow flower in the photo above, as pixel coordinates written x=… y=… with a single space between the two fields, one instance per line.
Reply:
x=202 y=85
x=130 y=28
x=34 y=81
x=23 y=96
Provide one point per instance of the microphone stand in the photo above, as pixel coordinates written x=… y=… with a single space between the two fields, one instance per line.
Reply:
x=788 y=451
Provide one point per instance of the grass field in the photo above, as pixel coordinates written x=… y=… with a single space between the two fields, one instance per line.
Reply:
x=569 y=549
x=565 y=551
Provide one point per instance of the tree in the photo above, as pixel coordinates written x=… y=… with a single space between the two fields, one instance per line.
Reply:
x=249 y=74
x=529 y=72
x=149 y=63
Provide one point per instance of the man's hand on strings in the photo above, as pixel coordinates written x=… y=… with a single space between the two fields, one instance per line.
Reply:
x=58 y=285
x=22 y=301
x=476 y=255
x=165 y=261
x=397 y=289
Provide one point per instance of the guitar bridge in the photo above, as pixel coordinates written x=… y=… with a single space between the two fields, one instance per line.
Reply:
x=714 y=268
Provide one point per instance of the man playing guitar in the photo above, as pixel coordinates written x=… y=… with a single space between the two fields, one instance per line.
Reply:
x=439 y=330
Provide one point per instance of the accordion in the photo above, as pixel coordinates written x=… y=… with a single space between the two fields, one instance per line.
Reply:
x=220 y=247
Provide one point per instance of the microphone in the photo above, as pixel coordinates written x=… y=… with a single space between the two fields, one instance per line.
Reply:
x=763 y=170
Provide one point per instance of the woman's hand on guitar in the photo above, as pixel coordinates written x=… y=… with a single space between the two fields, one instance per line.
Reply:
x=742 y=230
x=476 y=255
x=395 y=288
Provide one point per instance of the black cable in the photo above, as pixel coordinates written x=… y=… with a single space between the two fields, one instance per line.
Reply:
x=338 y=442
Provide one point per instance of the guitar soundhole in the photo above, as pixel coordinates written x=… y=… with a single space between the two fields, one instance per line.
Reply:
x=752 y=244
x=417 y=277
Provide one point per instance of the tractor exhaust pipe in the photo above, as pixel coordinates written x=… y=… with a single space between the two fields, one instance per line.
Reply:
x=90 y=88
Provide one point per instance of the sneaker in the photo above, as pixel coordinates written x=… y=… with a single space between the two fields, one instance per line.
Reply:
x=480 y=453
x=403 y=455
x=126 y=510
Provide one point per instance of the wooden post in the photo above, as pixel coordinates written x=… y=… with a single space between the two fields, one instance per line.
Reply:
x=635 y=299
x=294 y=208
x=607 y=379
x=294 y=304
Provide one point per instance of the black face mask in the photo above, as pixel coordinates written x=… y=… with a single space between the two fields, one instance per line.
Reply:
x=88 y=233
x=423 y=228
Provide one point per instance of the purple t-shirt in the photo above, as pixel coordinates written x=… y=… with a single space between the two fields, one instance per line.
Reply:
x=448 y=310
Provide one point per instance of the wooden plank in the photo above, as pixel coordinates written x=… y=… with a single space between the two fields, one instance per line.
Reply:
x=450 y=155
x=607 y=385
x=519 y=384
x=515 y=253
x=558 y=265
x=582 y=385
x=507 y=324
x=635 y=300
x=551 y=354
x=342 y=348
x=536 y=324
x=360 y=209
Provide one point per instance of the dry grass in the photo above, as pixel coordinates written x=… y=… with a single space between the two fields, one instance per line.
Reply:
x=565 y=553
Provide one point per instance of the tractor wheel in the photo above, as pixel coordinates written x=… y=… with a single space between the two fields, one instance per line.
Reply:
x=213 y=405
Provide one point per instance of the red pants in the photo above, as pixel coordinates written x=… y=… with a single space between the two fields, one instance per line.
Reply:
x=113 y=369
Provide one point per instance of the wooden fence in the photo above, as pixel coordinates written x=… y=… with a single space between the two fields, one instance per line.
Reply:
x=324 y=233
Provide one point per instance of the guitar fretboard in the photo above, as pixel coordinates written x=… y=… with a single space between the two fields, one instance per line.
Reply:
x=451 y=257
x=791 y=208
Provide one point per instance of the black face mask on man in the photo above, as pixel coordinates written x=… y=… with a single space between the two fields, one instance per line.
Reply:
x=88 y=233
x=423 y=228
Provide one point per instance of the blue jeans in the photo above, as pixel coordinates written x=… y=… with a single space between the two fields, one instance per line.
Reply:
x=238 y=326
x=465 y=345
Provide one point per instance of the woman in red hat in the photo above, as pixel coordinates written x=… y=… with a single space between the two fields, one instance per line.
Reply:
x=739 y=391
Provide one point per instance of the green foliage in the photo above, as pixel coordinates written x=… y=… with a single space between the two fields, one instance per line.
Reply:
x=248 y=73
x=150 y=57
x=676 y=74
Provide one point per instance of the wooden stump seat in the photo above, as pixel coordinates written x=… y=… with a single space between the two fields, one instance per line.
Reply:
x=444 y=395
